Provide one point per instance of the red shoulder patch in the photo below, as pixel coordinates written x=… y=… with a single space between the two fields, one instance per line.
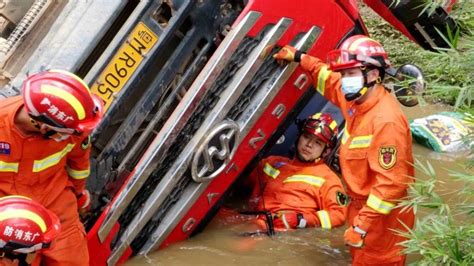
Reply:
x=387 y=157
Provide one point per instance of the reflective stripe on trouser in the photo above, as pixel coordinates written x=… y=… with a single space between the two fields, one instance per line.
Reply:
x=380 y=244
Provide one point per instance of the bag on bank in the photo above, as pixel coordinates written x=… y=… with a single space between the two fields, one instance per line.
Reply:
x=444 y=132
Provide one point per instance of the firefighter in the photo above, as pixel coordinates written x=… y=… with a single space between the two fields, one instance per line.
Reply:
x=26 y=228
x=44 y=153
x=303 y=191
x=376 y=146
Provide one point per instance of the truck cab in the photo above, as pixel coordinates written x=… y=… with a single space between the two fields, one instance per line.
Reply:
x=193 y=98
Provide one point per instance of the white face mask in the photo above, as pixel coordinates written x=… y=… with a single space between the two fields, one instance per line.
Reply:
x=352 y=85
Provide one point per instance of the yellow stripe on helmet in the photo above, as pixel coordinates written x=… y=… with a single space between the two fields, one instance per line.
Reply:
x=25 y=214
x=66 y=96
x=14 y=197
x=316 y=116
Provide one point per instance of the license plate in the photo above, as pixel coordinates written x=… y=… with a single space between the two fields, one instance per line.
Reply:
x=124 y=63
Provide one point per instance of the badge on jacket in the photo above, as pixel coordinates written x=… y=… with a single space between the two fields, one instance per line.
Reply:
x=86 y=142
x=5 y=148
x=387 y=157
x=342 y=199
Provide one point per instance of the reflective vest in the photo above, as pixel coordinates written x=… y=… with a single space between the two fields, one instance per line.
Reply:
x=376 y=148
x=308 y=188
x=36 y=167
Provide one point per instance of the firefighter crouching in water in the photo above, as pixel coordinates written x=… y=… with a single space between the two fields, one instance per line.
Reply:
x=44 y=154
x=26 y=228
x=303 y=191
x=376 y=150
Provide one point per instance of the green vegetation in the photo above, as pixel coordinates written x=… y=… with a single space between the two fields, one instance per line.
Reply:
x=449 y=72
x=444 y=230
x=444 y=233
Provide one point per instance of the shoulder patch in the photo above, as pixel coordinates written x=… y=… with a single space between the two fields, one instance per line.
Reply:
x=387 y=157
x=342 y=199
x=5 y=148
x=86 y=143
x=279 y=164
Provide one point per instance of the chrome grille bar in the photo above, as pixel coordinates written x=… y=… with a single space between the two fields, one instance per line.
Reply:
x=227 y=99
x=246 y=121
x=151 y=158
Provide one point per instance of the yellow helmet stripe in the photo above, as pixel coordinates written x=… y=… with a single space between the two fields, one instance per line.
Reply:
x=14 y=197
x=66 y=96
x=333 y=125
x=316 y=116
x=25 y=214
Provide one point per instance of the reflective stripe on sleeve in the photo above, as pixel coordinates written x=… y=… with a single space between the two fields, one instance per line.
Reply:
x=9 y=167
x=379 y=205
x=52 y=160
x=322 y=78
x=345 y=135
x=270 y=171
x=78 y=174
x=361 y=142
x=308 y=179
x=324 y=219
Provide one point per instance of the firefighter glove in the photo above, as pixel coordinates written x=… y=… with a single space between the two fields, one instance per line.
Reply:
x=288 y=53
x=83 y=200
x=354 y=237
x=288 y=220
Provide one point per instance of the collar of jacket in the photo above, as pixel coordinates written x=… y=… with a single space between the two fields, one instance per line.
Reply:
x=296 y=162
x=377 y=94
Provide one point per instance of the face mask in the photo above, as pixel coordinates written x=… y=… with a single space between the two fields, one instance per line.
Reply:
x=352 y=85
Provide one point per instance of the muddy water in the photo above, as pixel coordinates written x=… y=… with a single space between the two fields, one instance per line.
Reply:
x=220 y=243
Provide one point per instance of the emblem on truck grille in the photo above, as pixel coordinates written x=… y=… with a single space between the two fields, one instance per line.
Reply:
x=215 y=151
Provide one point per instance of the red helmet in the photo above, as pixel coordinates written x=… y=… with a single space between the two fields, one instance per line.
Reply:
x=26 y=226
x=358 y=51
x=322 y=126
x=62 y=99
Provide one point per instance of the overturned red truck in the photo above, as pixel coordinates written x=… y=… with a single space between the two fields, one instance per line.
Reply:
x=193 y=96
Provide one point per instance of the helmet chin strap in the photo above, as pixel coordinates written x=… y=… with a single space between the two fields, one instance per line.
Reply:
x=48 y=134
x=353 y=96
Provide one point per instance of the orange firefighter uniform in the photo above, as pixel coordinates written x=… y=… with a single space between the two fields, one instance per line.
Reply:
x=377 y=165
x=49 y=172
x=284 y=185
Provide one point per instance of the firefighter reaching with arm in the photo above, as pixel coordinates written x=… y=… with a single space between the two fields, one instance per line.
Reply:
x=44 y=154
x=303 y=191
x=376 y=147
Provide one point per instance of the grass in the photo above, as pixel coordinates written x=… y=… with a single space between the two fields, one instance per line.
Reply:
x=449 y=72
